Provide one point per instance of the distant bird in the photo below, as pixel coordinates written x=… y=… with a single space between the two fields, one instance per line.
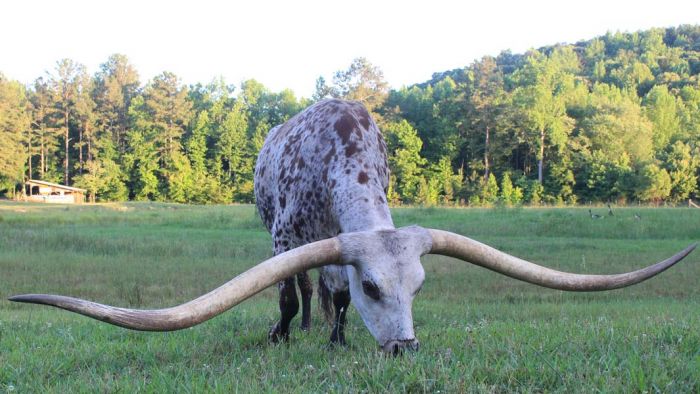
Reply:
x=594 y=215
x=610 y=212
x=636 y=216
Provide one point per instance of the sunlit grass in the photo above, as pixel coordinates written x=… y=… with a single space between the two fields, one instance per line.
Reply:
x=479 y=331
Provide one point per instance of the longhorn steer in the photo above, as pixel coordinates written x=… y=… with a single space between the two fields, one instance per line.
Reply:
x=320 y=184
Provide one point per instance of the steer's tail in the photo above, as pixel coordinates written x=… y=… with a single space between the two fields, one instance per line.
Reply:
x=325 y=299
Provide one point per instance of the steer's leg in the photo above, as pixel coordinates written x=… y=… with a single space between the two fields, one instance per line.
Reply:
x=289 y=306
x=341 y=301
x=307 y=289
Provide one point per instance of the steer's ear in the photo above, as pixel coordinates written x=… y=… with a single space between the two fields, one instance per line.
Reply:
x=419 y=237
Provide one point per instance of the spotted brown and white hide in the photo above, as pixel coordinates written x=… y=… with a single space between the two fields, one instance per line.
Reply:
x=321 y=173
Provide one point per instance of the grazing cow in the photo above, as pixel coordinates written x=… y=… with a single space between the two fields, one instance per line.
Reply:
x=323 y=173
x=321 y=181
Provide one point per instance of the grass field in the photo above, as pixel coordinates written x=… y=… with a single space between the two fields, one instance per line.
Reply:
x=479 y=331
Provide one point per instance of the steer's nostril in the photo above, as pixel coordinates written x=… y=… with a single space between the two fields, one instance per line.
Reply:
x=415 y=345
x=397 y=347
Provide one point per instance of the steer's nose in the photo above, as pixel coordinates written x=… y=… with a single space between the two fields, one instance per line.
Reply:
x=397 y=346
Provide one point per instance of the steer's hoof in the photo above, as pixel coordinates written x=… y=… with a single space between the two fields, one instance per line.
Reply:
x=276 y=335
x=337 y=340
x=337 y=345
x=305 y=326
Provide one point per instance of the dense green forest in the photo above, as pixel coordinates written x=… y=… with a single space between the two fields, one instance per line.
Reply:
x=612 y=119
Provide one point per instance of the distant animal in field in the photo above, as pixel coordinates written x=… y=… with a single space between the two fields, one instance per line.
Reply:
x=637 y=216
x=594 y=215
x=610 y=211
x=320 y=184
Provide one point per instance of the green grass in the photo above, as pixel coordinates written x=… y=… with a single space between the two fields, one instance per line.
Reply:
x=479 y=331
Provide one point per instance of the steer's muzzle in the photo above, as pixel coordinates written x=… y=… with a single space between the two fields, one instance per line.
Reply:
x=397 y=346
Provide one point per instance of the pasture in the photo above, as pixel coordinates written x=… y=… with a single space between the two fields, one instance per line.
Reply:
x=479 y=331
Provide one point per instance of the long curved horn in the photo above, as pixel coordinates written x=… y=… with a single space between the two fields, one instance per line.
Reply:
x=454 y=245
x=219 y=300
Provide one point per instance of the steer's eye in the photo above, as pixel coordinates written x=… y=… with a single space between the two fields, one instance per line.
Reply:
x=417 y=290
x=371 y=290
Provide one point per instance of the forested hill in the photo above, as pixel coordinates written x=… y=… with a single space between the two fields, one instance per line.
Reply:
x=615 y=118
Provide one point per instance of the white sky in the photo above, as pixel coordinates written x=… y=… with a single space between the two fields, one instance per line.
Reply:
x=288 y=44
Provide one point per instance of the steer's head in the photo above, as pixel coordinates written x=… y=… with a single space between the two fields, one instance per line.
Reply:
x=384 y=271
x=385 y=276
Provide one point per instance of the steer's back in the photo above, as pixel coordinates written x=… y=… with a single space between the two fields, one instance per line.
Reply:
x=321 y=173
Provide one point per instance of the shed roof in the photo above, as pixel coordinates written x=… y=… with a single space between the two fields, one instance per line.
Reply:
x=56 y=185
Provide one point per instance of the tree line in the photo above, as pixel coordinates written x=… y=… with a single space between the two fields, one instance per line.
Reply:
x=612 y=119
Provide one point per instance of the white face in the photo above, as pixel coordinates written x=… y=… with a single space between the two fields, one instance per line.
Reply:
x=385 y=274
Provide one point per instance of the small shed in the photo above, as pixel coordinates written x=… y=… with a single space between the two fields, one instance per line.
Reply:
x=42 y=191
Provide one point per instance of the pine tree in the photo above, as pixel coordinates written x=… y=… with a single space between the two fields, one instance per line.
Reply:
x=653 y=184
x=84 y=118
x=165 y=114
x=661 y=109
x=489 y=191
x=507 y=195
x=541 y=96
x=485 y=99
x=363 y=82
x=405 y=161
x=65 y=88
x=141 y=159
x=230 y=150
x=682 y=167
x=116 y=84
x=44 y=134
x=14 y=126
